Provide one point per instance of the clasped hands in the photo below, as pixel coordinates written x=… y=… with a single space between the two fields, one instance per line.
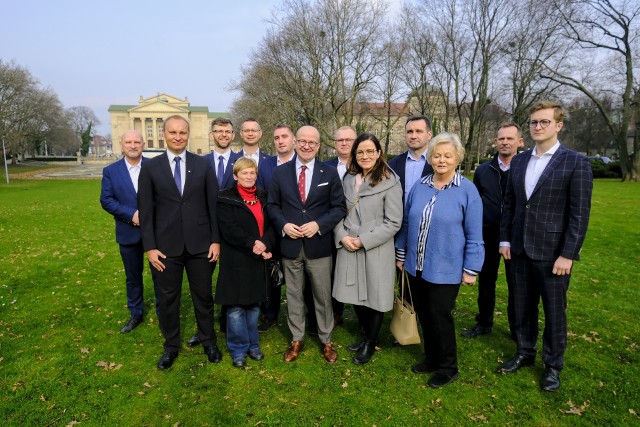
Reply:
x=307 y=230
x=260 y=248
x=351 y=244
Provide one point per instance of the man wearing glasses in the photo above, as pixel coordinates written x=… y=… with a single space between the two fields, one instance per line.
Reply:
x=306 y=201
x=544 y=222
x=343 y=138
x=251 y=134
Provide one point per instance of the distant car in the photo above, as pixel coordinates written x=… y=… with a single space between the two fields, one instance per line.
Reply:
x=603 y=159
x=152 y=152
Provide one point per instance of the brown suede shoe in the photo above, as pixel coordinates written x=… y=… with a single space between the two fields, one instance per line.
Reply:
x=294 y=351
x=329 y=353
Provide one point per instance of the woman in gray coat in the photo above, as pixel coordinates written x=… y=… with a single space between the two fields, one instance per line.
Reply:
x=365 y=263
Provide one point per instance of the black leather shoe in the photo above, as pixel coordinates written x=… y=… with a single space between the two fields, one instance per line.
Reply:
x=239 y=363
x=167 y=359
x=266 y=324
x=256 y=355
x=213 y=353
x=364 y=354
x=422 y=368
x=550 y=380
x=131 y=324
x=194 y=341
x=356 y=345
x=476 y=331
x=438 y=380
x=516 y=362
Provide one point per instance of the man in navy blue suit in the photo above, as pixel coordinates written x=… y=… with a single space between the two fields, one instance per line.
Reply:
x=119 y=197
x=222 y=160
x=344 y=139
x=412 y=164
x=251 y=132
x=544 y=222
x=306 y=201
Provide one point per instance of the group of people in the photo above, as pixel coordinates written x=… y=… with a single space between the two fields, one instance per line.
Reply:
x=344 y=229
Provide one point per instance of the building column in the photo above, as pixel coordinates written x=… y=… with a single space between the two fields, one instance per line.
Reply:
x=155 y=132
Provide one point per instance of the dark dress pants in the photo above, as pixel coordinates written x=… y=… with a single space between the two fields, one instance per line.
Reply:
x=133 y=261
x=487 y=281
x=533 y=281
x=169 y=291
x=434 y=304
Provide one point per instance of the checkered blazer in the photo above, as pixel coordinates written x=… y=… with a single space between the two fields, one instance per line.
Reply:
x=553 y=222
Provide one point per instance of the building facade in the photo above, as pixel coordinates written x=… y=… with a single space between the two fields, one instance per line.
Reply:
x=148 y=118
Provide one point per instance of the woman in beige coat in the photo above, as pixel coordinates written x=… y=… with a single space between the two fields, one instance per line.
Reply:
x=365 y=263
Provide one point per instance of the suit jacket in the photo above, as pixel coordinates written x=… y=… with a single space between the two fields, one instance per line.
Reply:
x=325 y=204
x=172 y=223
x=553 y=221
x=265 y=171
x=227 y=180
x=119 y=198
x=398 y=164
x=261 y=154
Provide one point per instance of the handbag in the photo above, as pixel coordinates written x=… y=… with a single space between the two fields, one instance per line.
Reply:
x=275 y=274
x=404 y=324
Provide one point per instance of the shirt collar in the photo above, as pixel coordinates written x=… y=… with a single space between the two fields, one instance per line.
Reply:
x=456 y=180
x=308 y=165
x=423 y=156
x=129 y=165
x=551 y=151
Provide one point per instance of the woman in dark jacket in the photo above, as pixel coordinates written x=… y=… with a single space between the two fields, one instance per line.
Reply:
x=247 y=241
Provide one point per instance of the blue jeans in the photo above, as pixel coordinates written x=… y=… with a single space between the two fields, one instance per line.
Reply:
x=242 y=330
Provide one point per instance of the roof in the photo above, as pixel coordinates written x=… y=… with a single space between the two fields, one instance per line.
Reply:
x=121 y=107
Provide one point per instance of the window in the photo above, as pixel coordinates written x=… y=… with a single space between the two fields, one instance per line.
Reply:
x=150 y=131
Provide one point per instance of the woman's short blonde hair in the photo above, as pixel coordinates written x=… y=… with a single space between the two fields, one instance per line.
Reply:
x=446 y=138
x=244 y=163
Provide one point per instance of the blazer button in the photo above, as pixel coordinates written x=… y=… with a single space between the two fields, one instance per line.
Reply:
x=526 y=206
x=304 y=210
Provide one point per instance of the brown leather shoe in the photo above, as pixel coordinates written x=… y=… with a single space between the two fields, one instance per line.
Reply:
x=329 y=353
x=294 y=351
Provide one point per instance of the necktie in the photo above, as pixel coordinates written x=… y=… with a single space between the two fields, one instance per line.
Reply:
x=302 y=183
x=176 y=175
x=220 y=171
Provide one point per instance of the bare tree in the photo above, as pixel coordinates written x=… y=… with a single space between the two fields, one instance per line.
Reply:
x=84 y=121
x=608 y=30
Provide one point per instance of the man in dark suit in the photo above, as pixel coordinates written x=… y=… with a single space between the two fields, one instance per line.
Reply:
x=412 y=164
x=283 y=140
x=177 y=198
x=491 y=181
x=544 y=222
x=119 y=197
x=306 y=201
x=344 y=139
x=251 y=134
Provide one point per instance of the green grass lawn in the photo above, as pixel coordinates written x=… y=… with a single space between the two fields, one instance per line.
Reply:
x=63 y=361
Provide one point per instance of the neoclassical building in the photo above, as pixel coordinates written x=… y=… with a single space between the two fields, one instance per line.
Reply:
x=148 y=118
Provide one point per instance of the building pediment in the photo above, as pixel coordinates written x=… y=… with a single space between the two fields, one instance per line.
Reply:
x=166 y=98
x=159 y=107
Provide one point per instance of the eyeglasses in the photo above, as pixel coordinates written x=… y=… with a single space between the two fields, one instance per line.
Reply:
x=345 y=140
x=369 y=153
x=310 y=144
x=251 y=130
x=222 y=132
x=543 y=123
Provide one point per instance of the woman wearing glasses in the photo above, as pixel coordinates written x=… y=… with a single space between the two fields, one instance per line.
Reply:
x=440 y=245
x=365 y=273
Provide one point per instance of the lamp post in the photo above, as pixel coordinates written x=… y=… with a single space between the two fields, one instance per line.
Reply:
x=6 y=167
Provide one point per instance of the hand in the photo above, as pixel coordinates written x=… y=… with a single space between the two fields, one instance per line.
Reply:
x=292 y=230
x=468 y=279
x=135 y=220
x=214 y=252
x=259 y=247
x=562 y=266
x=505 y=251
x=400 y=265
x=154 y=255
x=266 y=255
x=309 y=229
x=349 y=244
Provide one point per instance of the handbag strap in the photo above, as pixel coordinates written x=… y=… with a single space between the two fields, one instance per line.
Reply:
x=403 y=284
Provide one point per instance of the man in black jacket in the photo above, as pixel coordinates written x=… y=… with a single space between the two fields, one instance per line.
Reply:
x=490 y=179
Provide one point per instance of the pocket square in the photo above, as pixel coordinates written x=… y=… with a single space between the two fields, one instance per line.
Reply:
x=324 y=183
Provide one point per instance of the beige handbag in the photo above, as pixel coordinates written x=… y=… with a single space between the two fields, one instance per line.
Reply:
x=404 y=325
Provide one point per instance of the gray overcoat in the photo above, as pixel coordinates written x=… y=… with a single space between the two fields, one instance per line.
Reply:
x=367 y=276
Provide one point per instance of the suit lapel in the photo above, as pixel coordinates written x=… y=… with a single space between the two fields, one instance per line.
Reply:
x=187 y=173
x=546 y=173
x=316 y=178
x=126 y=177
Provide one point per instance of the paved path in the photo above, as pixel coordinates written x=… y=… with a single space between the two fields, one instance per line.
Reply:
x=73 y=172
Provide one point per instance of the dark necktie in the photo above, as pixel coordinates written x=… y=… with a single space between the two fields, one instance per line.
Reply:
x=220 y=171
x=176 y=174
x=302 y=180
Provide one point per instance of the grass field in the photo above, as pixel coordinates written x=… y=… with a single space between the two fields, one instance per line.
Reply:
x=63 y=362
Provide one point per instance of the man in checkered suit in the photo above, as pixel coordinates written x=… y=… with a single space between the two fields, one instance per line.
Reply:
x=544 y=222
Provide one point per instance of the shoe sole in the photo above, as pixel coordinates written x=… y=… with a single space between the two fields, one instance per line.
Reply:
x=452 y=379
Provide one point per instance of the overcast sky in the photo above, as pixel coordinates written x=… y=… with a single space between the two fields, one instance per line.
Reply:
x=98 y=53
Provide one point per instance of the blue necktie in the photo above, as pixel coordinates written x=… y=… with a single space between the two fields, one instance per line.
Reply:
x=176 y=175
x=220 y=171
